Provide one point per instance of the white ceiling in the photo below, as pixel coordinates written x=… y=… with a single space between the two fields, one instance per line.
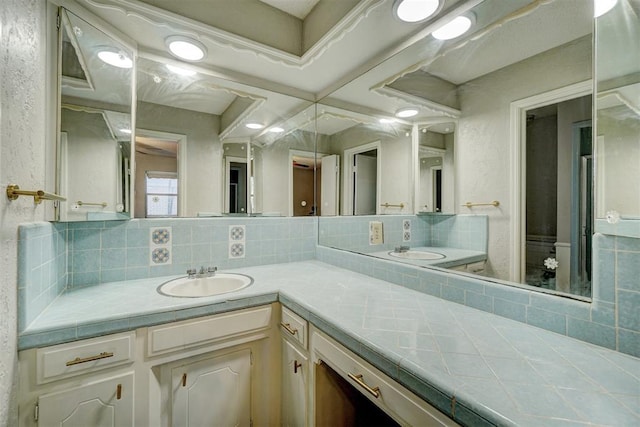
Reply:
x=298 y=8
x=368 y=43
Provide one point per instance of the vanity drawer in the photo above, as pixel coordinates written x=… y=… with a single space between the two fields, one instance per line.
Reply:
x=191 y=333
x=67 y=360
x=294 y=326
x=391 y=397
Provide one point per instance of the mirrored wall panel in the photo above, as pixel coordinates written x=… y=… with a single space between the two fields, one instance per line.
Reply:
x=497 y=126
x=94 y=149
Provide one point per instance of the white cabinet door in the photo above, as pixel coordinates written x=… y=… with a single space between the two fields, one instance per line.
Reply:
x=213 y=392
x=295 y=377
x=108 y=402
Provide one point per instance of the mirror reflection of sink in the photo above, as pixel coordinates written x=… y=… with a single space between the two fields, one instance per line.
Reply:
x=220 y=283
x=424 y=255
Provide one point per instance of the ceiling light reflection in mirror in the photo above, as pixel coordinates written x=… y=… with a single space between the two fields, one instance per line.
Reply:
x=413 y=11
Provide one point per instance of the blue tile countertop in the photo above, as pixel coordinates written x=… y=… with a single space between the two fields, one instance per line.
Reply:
x=500 y=372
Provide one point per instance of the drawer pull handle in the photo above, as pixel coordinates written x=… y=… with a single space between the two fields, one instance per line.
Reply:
x=184 y=380
x=375 y=392
x=119 y=392
x=296 y=366
x=289 y=329
x=78 y=360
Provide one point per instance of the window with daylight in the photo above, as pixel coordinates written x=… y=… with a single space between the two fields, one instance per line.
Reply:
x=161 y=194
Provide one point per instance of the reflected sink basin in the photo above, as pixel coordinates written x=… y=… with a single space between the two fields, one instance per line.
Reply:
x=220 y=283
x=424 y=255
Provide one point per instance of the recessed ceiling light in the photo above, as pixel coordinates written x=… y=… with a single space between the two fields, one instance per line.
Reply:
x=127 y=131
x=415 y=10
x=386 y=121
x=453 y=29
x=276 y=129
x=186 y=48
x=116 y=58
x=253 y=125
x=180 y=70
x=600 y=7
x=406 y=112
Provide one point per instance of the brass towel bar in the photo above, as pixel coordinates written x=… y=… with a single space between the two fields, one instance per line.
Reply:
x=389 y=205
x=81 y=203
x=13 y=192
x=495 y=203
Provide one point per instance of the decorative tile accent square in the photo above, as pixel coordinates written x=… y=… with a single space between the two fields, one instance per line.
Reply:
x=406 y=225
x=160 y=236
x=237 y=233
x=406 y=236
x=161 y=256
x=236 y=250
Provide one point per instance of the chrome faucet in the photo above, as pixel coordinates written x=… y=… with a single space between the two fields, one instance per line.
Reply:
x=192 y=273
x=401 y=249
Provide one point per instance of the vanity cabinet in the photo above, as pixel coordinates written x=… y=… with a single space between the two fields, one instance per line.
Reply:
x=105 y=402
x=400 y=404
x=295 y=370
x=213 y=391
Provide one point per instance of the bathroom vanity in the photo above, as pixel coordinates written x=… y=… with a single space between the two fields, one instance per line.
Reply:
x=261 y=354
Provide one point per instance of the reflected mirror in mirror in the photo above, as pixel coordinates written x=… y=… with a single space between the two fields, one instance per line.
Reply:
x=365 y=164
x=94 y=147
x=518 y=56
x=618 y=114
x=226 y=142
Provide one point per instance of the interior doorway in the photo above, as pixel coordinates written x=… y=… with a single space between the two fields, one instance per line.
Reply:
x=361 y=181
x=558 y=196
x=236 y=200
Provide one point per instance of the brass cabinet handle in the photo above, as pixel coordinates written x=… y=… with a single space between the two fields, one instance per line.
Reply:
x=119 y=391
x=375 y=392
x=78 y=360
x=289 y=329
x=296 y=366
x=184 y=380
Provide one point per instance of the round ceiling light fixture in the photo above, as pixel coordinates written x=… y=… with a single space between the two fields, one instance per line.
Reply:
x=115 y=57
x=386 y=121
x=179 y=70
x=453 y=29
x=254 y=125
x=600 y=7
x=186 y=48
x=407 y=112
x=276 y=129
x=415 y=10
x=125 y=130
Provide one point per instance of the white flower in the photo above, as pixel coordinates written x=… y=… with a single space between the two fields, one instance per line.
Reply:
x=551 y=263
x=613 y=217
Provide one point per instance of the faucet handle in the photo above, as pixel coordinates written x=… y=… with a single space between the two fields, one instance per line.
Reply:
x=191 y=272
x=212 y=269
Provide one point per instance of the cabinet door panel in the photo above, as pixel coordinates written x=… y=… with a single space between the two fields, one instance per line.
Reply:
x=213 y=392
x=294 y=386
x=98 y=404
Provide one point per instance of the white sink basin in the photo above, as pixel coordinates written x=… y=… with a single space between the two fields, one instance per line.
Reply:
x=220 y=283
x=419 y=255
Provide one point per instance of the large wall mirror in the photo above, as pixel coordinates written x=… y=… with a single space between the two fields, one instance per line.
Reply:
x=500 y=145
x=94 y=147
x=144 y=135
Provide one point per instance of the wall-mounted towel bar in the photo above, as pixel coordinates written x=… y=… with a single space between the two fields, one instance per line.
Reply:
x=81 y=203
x=495 y=203
x=389 y=205
x=13 y=192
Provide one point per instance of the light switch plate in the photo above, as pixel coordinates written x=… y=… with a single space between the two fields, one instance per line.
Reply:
x=376 y=233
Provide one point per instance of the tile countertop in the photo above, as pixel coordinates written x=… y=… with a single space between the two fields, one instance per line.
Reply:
x=453 y=257
x=500 y=371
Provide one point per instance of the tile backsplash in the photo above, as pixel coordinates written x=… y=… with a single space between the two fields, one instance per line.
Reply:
x=42 y=268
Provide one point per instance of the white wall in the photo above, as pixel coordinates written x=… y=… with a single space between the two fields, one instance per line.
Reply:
x=483 y=145
x=22 y=161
